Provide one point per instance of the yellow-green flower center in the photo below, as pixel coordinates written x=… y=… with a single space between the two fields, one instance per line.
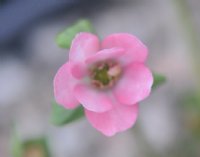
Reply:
x=104 y=75
x=101 y=75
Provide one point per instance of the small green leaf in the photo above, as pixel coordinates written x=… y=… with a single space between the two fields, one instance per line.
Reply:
x=65 y=37
x=61 y=116
x=158 y=80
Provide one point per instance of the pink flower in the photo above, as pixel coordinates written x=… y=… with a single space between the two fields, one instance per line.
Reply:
x=108 y=79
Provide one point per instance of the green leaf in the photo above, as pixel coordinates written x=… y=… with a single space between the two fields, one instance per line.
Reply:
x=16 y=145
x=61 y=116
x=65 y=37
x=190 y=101
x=158 y=80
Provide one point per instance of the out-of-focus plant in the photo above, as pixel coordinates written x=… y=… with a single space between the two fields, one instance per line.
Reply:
x=65 y=37
x=33 y=147
x=191 y=114
x=191 y=101
x=61 y=116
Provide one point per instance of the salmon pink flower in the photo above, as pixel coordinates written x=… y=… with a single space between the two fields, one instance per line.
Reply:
x=107 y=78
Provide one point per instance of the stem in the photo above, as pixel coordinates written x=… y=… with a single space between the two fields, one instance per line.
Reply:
x=191 y=35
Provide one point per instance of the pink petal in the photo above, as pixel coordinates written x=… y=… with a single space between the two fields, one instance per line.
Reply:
x=106 y=54
x=83 y=45
x=134 y=84
x=79 y=69
x=92 y=98
x=135 y=50
x=63 y=86
x=120 y=118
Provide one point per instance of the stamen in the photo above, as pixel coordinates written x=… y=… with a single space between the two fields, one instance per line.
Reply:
x=114 y=71
x=104 y=75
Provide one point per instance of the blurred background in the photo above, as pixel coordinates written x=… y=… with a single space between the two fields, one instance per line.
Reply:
x=169 y=120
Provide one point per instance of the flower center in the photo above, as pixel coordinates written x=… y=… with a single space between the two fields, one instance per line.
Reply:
x=105 y=75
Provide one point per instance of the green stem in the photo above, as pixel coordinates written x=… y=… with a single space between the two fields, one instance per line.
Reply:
x=191 y=35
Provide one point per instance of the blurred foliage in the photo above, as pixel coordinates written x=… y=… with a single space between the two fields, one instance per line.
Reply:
x=158 y=80
x=36 y=147
x=61 y=116
x=189 y=143
x=65 y=37
x=191 y=100
x=16 y=146
x=191 y=117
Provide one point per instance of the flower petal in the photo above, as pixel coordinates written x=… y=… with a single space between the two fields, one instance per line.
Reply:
x=83 y=45
x=63 y=85
x=135 y=50
x=79 y=69
x=93 y=99
x=106 y=54
x=120 y=118
x=134 y=84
